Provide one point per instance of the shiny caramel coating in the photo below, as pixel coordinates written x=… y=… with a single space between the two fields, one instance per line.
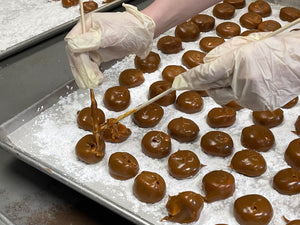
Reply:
x=122 y=165
x=116 y=132
x=221 y=117
x=291 y=103
x=69 y=3
x=217 y=143
x=160 y=86
x=169 y=44
x=89 y=6
x=192 y=58
x=185 y=207
x=260 y=7
x=250 y=20
x=149 y=116
x=209 y=43
x=130 y=78
x=149 y=187
x=268 y=25
x=189 y=102
x=252 y=209
x=248 y=162
x=238 y=4
x=292 y=154
x=204 y=22
x=86 y=149
x=228 y=29
x=257 y=137
x=224 y=11
x=149 y=64
x=234 y=105
x=171 y=71
x=156 y=144
x=247 y=32
x=218 y=185
x=116 y=98
x=268 y=118
x=289 y=14
x=297 y=126
x=183 y=164
x=85 y=121
x=183 y=129
x=287 y=181
x=187 y=31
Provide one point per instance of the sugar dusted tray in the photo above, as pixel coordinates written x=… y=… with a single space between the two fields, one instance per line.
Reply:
x=45 y=135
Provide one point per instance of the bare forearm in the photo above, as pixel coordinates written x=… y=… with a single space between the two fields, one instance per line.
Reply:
x=168 y=13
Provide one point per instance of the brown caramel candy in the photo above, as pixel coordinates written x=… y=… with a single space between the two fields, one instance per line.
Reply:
x=221 y=117
x=260 y=7
x=87 y=150
x=115 y=132
x=149 y=116
x=187 y=31
x=291 y=103
x=253 y=209
x=218 y=185
x=85 y=121
x=238 y=4
x=247 y=32
x=169 y=44
x=209 y=43
x=69 y=3
x=149 y=64
x=291 y=222
x=185 y=207
x=202 y=93
x=217 y=143
x=268 y=118
x=269 y=25
x=250 y=20
x=89 y=6
x=183 y=164
x=228 y=29
x=116 y=98
x=204 y=22
x=189 y=102
x=171 y=71
x=248 y=162
x=297 y=126
x=131 y=78
x=287 y=181
x=257 y=137
x=224 y=11
x=192 y=58
x=149 y=187
x=156 y=144
x=234 y=105
x=292 y=154
x=122 y=165
x=183 y=129
x=160 y=86
x=289 y=14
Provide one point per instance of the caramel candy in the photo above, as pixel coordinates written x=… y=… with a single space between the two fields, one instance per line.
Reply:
x=250 y=20
x=130 y=78
x=185 y=207
x=289 y=14
x=149 y=116
x=297 y=126
x=183 y=129
x=234 y=105
x=189 y=102
x=88 y=151
x=149 y=64
x=253 y=209
x=204 y=22
x=171 y=71
x=268 y=118
x=224 y=11
x=260 y=7
x=85 y=121
x=238 y=4
x=247 y=32
x=291 y=103
x=169 y=44
x=221 y=117
x=292 y=154
x=149 y=187
x=202 y=93
x=291 y=222
x=116 y=98
x=209 y=43
x=228 y=29
x=183 y=164
x=89 y=6
x=192 y=58
x=115 y=132
x=248 y=162
x=156 y=144
x=69 y=3
x=160 y=86
x=218 y=185
x=269 y=25
x=217 y=143
x=122 y=165
x=187 y=31
x=287 y=181
x=257 y=137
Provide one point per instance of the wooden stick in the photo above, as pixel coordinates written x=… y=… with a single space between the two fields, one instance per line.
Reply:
x=82 y=16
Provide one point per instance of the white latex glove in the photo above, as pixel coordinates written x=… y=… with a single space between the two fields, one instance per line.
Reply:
x=257 y=74
x=108 y=36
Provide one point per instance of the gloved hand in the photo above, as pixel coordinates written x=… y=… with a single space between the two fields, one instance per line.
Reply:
x=108 y=36
x=257 y=73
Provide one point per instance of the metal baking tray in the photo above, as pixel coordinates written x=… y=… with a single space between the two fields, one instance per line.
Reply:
x=54 y=31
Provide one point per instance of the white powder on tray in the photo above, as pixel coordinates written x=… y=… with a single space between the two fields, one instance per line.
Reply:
x=52 y=135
